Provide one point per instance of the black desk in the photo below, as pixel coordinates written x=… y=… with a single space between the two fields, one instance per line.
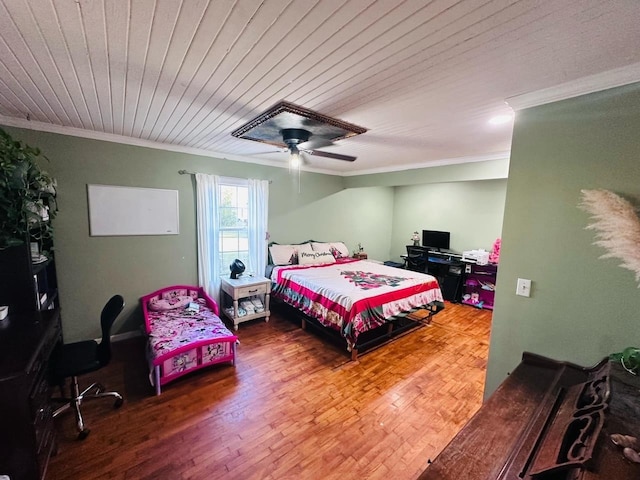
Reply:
x=27 y=437
x=448 y=269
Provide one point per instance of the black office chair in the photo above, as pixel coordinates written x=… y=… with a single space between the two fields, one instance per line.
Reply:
x=416 y=258
x=74 y=359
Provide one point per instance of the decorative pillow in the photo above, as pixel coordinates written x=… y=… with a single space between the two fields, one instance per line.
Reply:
x=314 y=257
x=341 y=250
x=303 y=248
x=320 y=246
x=283 y=254
x=162 y=304
x=338 y=249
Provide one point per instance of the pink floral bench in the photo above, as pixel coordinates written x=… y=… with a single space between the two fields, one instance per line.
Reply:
x=184 y=333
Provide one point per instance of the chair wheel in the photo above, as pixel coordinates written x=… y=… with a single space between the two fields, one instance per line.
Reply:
x=84 y=434
x=118 y=403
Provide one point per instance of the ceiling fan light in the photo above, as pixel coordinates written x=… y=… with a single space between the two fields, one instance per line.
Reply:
x=294 y=159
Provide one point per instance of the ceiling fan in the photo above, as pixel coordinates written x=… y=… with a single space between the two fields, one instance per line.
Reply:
x=298 y=129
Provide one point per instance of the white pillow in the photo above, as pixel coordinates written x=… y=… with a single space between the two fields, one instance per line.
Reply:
x=303 y=248
x=283 y=254
x=338 y=249
x=341 y=248
x=315 y=257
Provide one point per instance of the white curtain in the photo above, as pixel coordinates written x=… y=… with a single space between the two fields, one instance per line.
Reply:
x=257 y=222
x=208 y=241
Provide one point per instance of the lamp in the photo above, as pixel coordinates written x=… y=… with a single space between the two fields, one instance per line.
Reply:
x=237 y=268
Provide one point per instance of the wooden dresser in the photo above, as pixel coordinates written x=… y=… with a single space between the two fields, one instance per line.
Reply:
x=27 y=437
x=548 y=421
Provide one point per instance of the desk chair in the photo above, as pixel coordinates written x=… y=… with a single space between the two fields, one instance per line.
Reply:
x=74 y=359
x=416 y=258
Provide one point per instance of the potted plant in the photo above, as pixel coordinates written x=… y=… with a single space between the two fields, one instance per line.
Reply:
x=27 y=193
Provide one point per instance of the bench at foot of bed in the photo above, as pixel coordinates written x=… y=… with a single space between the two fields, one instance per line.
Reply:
x=184 y=333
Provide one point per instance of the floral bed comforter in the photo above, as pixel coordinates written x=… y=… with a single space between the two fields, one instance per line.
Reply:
x=353 y=296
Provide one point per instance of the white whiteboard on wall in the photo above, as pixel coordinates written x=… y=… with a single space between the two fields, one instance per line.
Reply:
x=115 y=210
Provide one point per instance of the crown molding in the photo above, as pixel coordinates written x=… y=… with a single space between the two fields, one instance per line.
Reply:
x=582 y=86
x=434 y=163
x=138 y=142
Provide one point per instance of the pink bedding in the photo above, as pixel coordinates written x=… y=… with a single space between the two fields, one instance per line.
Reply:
x=353 y=296
x=174 y=330
x=184 y=333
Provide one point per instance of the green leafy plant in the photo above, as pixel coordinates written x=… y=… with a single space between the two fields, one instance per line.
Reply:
x=27 y=193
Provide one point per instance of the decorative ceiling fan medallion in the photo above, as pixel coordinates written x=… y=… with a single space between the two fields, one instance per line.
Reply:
x=286 y=125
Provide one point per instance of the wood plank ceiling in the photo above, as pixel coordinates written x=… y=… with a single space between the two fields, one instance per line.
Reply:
x=423 y=76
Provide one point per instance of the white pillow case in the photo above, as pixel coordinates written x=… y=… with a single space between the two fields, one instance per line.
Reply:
x=282 y=254
x=316 y=257
x=303 y=248
x=338 y=249
x=288 y=254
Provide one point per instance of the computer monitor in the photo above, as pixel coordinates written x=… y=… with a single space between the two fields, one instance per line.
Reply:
x=435 y=239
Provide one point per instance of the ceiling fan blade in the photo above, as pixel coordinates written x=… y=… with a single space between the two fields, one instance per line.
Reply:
x=335 y=156
x=304 y=160
x=281 y=150
x=315 y=142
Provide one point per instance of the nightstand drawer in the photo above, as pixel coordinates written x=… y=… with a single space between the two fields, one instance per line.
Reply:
x=250 y=290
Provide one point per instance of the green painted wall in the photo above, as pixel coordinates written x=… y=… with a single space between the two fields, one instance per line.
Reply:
x=472 y=211
x=582 y=308
x=91 y=269
x=356 y=215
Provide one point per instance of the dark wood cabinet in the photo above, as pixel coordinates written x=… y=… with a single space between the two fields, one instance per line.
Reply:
x=28 y=335
x=548 y=420
x=27 y=436
x=28 y=280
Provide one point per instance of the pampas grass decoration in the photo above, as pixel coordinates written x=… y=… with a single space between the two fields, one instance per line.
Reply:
x=617 y=227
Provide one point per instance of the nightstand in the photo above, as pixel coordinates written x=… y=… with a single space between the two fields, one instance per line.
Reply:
x=239 y=289
x=360 y=256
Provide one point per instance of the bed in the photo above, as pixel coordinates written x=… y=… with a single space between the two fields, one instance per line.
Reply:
x=355 y=298
x=184 y=333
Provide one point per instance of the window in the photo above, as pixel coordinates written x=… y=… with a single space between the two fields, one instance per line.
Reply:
x=234 y=223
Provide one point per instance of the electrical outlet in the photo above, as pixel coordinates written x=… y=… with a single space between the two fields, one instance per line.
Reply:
x=523 y=287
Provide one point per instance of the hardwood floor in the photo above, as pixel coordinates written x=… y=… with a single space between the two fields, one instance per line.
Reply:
x=294 y=406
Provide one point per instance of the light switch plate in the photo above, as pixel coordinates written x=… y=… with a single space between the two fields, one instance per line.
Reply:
x=523 y=287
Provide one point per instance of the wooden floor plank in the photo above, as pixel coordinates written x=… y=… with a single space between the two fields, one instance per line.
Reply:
x=294 y=406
